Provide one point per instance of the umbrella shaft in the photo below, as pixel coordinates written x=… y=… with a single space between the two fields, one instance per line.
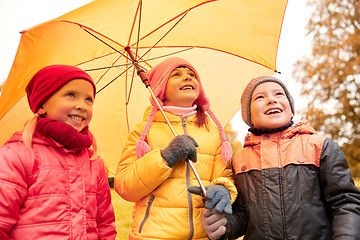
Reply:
x=174 y=133
x=197 y=177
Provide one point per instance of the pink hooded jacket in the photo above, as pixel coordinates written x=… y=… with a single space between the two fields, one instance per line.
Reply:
x=50 y=192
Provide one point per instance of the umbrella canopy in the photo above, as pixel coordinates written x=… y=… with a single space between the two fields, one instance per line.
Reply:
x=228 y=41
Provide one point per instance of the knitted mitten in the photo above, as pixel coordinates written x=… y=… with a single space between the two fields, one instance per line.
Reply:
x=182 y=147
x=217 y=196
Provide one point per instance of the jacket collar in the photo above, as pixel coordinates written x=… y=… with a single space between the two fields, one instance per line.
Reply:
x=158 y=117
x=300 y=127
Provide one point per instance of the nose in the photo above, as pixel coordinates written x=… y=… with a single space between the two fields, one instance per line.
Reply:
x=188 y=77
x=271 y=100
x=81 y=105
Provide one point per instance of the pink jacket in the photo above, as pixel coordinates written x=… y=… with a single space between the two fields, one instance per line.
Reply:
x=53 y=193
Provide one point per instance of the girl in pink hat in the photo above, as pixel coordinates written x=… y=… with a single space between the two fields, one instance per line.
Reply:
x=53 y=186
x=152 y=171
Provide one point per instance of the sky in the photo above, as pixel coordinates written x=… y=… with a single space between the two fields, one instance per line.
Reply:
x=18 y=15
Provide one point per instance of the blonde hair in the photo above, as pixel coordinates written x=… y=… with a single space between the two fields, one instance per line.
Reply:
x=95 y=149
x=29 y=130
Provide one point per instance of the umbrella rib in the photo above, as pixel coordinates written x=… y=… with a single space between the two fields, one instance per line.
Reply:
x=113 y=66
x=133 y=24
x=169 y=54
x=138 y=36
x=105 y=43
x=210 y=48
x=165 y=34
x=181 y=14
x=139 y=13
x=142 y=60
x=113 y=80
x=130 y=89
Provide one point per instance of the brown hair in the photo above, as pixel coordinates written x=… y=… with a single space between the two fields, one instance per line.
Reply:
x=201 y=118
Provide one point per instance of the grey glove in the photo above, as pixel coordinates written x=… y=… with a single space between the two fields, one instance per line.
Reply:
x=217 y=196
x=182 y=147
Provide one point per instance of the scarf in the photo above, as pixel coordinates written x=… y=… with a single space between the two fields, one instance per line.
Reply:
x=181 y=111
x=64 y=133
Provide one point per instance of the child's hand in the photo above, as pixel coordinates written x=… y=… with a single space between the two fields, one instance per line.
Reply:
x=182 y=147
x=214 y=223
x=217 y=196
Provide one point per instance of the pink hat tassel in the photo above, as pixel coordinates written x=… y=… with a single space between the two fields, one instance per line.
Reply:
x=226 y=150
x=143 y=147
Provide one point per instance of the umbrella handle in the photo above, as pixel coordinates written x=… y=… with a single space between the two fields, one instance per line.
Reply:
x=141 y=74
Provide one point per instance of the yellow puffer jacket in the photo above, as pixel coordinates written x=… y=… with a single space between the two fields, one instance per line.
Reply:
x=164 y=209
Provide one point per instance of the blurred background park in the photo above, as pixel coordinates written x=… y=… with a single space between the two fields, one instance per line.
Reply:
x=319 y=57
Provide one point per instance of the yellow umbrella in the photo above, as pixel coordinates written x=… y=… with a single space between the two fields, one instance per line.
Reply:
x=228 y=42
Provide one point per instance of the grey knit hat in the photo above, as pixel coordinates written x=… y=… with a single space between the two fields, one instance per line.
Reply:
x=249 y=90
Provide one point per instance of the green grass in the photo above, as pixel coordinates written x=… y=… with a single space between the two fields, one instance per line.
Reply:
x=123 y=216
x=123 y=211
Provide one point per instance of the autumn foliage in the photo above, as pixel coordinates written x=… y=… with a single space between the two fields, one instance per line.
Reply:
x=331 y=74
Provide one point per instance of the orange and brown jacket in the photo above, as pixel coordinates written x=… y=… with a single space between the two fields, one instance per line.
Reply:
x=294 y=184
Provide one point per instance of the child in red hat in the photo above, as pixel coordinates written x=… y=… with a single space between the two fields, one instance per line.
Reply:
x=292 y=182
x=53 y=186
x=152 y=171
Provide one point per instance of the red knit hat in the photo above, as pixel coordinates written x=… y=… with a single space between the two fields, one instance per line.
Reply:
x=158 y=78
x=49 y=80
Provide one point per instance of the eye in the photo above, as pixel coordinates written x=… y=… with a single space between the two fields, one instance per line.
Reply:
x=280 y=94
x=258 y=97
x=70 y=94
x=175 y=74
x=192 y=74
x=89 y=99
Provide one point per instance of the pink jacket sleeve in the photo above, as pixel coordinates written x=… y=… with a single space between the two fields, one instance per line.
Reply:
x=13 y=190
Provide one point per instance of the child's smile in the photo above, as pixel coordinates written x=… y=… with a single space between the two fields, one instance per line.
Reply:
x=187 y=87
x=77 y=120
x=273 y=111
x=270 y=108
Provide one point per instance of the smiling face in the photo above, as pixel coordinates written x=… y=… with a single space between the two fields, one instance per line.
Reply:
x=270 y=108
x=71 y=104
x=182 y=88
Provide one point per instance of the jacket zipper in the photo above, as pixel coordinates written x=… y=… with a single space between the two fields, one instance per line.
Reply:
x=282 y=203
x=188 y=184
x=151 y=200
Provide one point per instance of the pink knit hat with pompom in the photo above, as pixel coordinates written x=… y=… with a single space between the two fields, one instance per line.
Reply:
x=158 y=77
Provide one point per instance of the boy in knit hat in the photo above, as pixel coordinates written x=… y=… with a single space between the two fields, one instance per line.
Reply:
x=153 y=172
x=292 y=183
x=53 y=186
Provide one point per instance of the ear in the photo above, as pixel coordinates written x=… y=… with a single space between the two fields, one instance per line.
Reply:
x=41 y=111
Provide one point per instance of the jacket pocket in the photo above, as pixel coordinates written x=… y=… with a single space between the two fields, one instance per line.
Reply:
x=151 y=200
